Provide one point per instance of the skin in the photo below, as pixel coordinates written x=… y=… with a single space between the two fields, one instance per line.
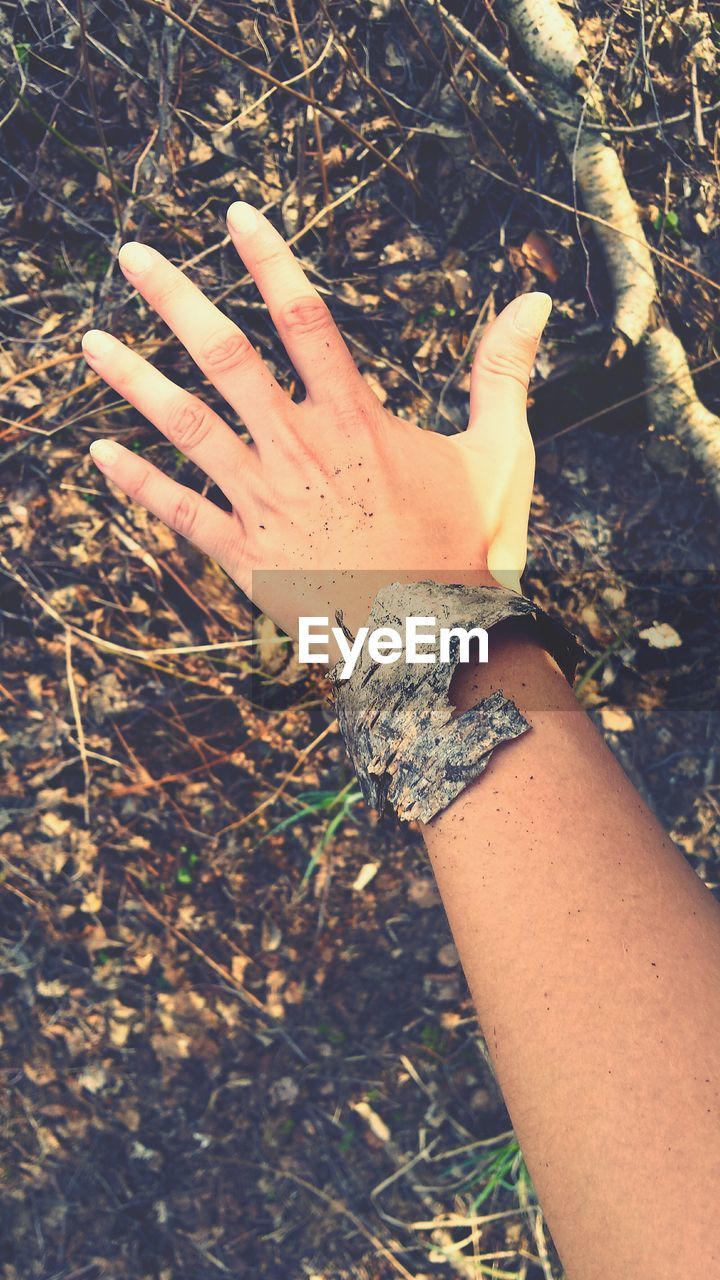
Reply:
x=337 y=483
x=592 y=952
x=590 y=947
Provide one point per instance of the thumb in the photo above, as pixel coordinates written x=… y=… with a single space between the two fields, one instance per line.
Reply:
x=503 y=363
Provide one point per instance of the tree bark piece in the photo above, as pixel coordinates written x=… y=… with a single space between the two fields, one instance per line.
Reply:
x=406 y=744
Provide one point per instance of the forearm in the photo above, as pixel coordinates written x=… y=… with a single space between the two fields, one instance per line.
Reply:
x=590 y=947
x=592 y=952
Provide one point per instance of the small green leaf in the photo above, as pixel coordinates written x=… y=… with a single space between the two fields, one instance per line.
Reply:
x=670 y=221
x=184 y=875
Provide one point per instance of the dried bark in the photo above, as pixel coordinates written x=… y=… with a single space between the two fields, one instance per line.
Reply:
x=407 y=747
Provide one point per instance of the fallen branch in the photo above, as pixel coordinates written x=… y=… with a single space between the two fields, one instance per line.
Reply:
x=568 y=91
x=490 y=63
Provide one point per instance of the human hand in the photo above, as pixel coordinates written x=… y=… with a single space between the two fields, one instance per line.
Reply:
x=337 y=483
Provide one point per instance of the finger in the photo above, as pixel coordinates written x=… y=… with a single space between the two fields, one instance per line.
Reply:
x=223 y=352
x=184 y=420
x=214 y=531
x=503 y=364
x=303 y=321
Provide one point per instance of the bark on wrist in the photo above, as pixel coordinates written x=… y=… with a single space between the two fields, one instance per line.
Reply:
x=408 y=748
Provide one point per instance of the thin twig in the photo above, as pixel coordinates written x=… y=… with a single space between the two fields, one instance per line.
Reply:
x=320 y=150
x=38 y=295
x=498 y=71
x=467 y=352
x=371 y=85
x=23 y=82
x=96 y=114
x=75 y=704
x=648 y=127
x=306 y=751
x=184 y=234
x=467 y=107
x=269 y=78
x=109 y=646
x=234 y=121
x=603 y=222
x=620 y=404
x=491 y=64
x=337 y=1206
x=697 y=109
x=219 y=969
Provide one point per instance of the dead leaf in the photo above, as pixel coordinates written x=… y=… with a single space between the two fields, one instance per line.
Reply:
x=374 y=1122
x=448 y=956
x=271 y=935
x=91 y=903
x=615 y=720
x=238 y=965
x=283 y=1092
x=52 y=990
x=52 y=825
x=49 y=324
x=272 y=646
x=275 y=983
x=365 y=875
x=538 y=253
x=119 y=1033
x=661 y=636
x=598 y=629
x=93 y=1079
x=461 y=285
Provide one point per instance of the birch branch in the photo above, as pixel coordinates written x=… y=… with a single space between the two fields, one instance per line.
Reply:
x=553 y=46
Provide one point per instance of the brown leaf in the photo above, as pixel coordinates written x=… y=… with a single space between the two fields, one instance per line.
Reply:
x=537 y=251
x=615 y=720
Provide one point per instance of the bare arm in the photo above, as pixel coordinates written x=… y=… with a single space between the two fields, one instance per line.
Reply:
x=592 y=952
x=590 y=947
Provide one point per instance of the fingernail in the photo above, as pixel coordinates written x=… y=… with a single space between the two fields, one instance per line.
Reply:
x=531 y=313
x=104 y=453
x=95 y=343
x=135 y=258
x=242 y=217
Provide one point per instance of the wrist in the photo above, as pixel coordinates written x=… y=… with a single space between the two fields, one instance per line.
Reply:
x=517 y=664
x=407 y=746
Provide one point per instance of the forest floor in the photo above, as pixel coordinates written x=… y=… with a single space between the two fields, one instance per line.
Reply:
x=235 y=1037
